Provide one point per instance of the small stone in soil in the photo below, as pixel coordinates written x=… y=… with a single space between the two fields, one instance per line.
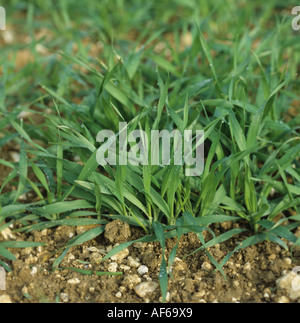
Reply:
x=74 y=281
x=112 y=267
x=142 y=270
x=120 y=256
x=7 y=234
x=290 y=282
x=34 y=270
x=206 y=266
x=144 y=289
x=5 y=299
x=247 y=266
x=179 y=265
x=131 y=281
x=64 y=297
x=117 y=231
x=125 y=268
x=283 y=300
x=132 y=262
x=118 y=295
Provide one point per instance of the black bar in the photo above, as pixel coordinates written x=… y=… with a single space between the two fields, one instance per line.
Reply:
x=140 y=312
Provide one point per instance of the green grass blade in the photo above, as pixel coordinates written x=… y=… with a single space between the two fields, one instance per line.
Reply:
x=22 y=172
x=163 y=274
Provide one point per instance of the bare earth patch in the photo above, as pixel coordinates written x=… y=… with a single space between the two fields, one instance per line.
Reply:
x=251 y=273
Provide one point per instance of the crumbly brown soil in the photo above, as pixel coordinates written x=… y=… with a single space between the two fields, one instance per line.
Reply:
x=251 y=273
